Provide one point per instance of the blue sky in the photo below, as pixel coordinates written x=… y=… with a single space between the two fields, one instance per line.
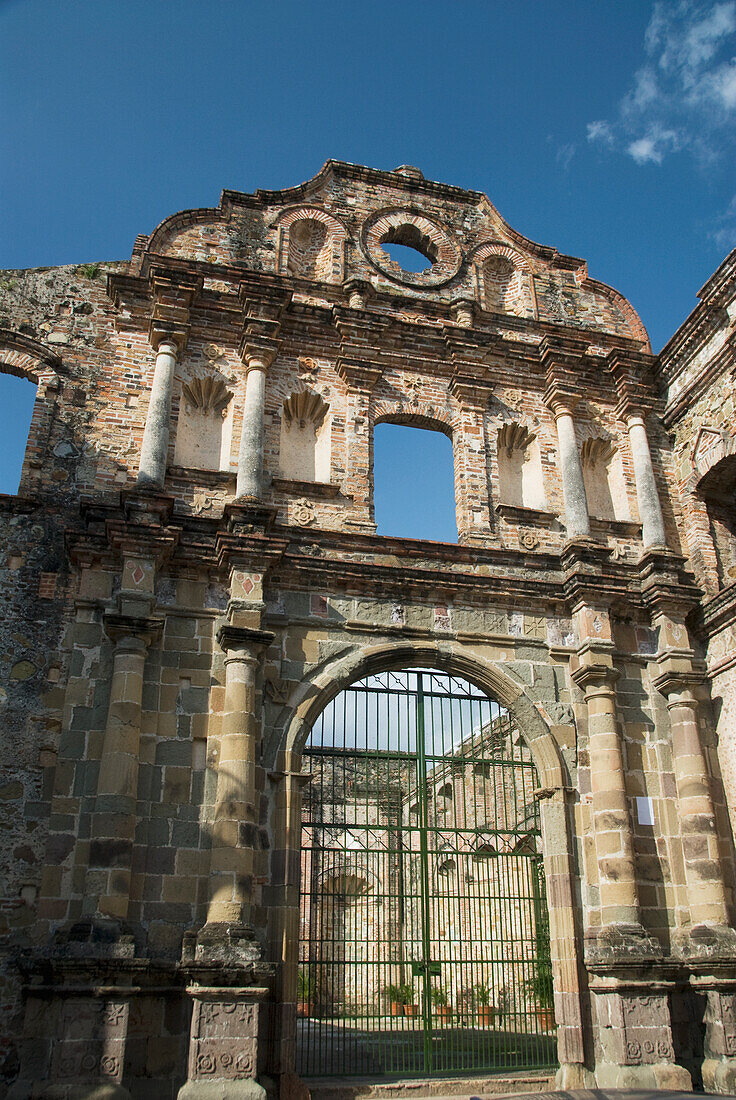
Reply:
x=605 y=129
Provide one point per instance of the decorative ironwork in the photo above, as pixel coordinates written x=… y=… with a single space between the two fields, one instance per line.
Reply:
x=424 y=945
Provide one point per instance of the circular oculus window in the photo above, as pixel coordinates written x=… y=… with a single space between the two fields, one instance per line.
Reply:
x=404 y=227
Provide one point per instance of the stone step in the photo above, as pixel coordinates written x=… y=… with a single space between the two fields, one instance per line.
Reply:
x=438 y=1088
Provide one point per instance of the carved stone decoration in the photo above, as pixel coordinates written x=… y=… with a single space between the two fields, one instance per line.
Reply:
x=303 y=513
x=213 y=352
x=514 y=436
x=528 y=540
x=223 y=1040
x=307 y=367
x=711 y=445
x=209 y=394
x=305 y=406
x=596 y=449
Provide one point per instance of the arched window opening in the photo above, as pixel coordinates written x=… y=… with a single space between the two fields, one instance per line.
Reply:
x=718 y=489
x=408 y=247
x=414 y=483
x=18 y=396
x=424 y=909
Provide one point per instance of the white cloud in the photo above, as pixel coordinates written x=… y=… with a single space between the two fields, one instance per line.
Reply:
x=600 y=131
x=724 y=231
x=564 y=154
x=685 y=92
x=652 y=147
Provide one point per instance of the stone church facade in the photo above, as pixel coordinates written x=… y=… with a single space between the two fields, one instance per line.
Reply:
x=191 y=573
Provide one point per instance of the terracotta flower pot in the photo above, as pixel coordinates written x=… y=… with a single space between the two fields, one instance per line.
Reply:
x=397 y=1009
x=485 y=1015
x=304 y=1008
x=545 y=1018
x=444 y=1014
x=411 y=1010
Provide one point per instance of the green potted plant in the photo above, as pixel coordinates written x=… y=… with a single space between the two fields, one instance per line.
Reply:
x=441 y=1005
x=540 y=989
x=394 y=994
x=482 y=994
x=304 y=990
x=411 y=1008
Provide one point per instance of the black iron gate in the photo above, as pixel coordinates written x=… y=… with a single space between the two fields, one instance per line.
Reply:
x=424 y=941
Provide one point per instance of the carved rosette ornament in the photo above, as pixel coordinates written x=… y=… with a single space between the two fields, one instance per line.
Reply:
x=302 y=513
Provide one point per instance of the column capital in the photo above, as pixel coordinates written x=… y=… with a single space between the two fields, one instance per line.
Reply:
x=463 y=311
x=359 y=291
x=595 y=673
x=132 y=632
x=560 y=398
x=172 y=294
x=676 y=681
x=231 y=637
x=258 y=354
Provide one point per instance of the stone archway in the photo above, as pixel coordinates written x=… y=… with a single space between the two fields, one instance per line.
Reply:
x=557 y=844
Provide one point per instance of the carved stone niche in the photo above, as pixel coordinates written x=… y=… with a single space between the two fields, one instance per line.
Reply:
x=520 y=478
x=204 y=426
x=605 y=484
x=305 y=437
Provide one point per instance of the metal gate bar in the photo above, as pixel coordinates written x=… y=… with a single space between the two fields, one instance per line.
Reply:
x=424 y=937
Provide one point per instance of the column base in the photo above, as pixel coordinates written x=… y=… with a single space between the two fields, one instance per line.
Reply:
x=660 y=1075
x=225 y=944
x=719 y=1075
x=705 y=941
x=615 y=942
x=572 y=1076
x=222 y=1089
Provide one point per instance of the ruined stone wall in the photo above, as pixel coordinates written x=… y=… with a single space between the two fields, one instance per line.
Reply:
x=697 y=370
x=166 y=646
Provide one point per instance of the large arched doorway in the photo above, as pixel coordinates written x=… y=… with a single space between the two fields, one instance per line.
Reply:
x=424 y=934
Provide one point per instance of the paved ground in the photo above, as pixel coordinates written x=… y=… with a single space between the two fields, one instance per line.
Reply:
x=599 y=1094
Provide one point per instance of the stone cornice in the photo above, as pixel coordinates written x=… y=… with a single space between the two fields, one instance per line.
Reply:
x=702 y=322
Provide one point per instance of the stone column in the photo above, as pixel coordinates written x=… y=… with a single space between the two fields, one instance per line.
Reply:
x=699 y=829
x=114 y=818
x=234 y=825
x=250 y=456
x=706 y=893
x=611 y=816
x=229 y=981
x=155 y=446
x=573 y=486
x=650 y=511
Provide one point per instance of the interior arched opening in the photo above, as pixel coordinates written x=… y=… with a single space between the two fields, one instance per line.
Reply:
x=18 y=396
x=414 y=479
x=424 y=931
x=718 y=489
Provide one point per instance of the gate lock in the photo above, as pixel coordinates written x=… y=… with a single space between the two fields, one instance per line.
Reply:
x=431 y=969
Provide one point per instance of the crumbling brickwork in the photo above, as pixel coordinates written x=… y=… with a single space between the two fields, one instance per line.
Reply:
x=179 y=608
